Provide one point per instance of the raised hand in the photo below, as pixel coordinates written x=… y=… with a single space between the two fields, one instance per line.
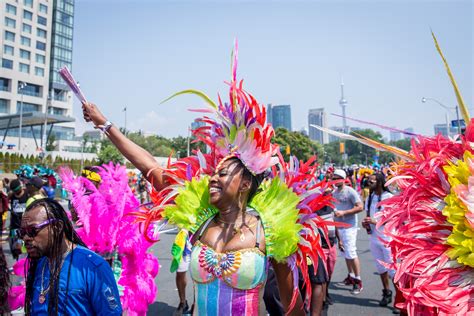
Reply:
x=92 y=114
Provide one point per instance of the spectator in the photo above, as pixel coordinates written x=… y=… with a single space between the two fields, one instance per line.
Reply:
x=348 y=204
x=380 y=252
x=34 y=188
x=18 y=197
x=64 y=277
x=329 y=246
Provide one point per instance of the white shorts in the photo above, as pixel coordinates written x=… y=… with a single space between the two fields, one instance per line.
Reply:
x=184 y=263
x=349 y=237
x=381 y=254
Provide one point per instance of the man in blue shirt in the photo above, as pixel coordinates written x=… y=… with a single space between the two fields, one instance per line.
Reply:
x=64 y=277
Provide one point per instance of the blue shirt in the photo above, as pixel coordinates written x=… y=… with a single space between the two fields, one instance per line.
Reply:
x=92 y=288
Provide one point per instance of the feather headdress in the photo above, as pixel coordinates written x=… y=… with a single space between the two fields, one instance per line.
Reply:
x=240 y=127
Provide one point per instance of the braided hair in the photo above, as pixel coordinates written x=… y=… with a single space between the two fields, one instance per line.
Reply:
x=4 y=283
x=54 y=210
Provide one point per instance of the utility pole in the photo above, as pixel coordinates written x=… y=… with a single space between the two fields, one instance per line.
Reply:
x=21 y=86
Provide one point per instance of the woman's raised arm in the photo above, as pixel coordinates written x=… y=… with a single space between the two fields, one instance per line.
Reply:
x=138 y=156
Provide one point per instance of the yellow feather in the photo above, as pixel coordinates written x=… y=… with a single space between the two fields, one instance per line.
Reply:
x=462 y=106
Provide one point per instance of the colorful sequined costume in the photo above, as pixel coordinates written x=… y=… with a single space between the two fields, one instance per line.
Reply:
x=431 y=221
x=231 y=283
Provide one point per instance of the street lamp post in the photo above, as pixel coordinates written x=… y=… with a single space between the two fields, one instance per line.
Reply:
x=44 y=139
x=366 y=158
x=21 y=86
x=447 y=108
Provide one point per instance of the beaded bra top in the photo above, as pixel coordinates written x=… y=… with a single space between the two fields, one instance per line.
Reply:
x=242 y=269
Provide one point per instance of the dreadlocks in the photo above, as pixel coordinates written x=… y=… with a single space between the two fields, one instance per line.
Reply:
x=4 y=283
x=380 y=178
x=55 y=211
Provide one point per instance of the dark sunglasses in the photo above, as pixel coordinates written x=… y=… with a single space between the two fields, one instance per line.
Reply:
x=34 y=230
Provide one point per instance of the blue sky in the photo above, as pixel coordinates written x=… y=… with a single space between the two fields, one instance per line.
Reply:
x=137 y=53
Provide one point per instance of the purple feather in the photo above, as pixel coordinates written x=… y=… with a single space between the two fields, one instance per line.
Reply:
x=378 y=125
x=189 y=175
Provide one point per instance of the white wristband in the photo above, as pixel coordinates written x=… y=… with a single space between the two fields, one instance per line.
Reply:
x=105 y=128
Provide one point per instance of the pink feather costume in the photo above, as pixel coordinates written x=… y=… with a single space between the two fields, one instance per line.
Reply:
x=108 y=229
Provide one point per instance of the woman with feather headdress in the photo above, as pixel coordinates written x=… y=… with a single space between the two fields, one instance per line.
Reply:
x=239 y=218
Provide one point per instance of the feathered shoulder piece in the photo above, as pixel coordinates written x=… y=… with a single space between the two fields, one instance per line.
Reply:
x=191 y=208
x=287 y=205
x=276 y=205
x=239 y=128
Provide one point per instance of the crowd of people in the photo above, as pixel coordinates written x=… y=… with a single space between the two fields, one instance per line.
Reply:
x=23 y=194
x=257 y=234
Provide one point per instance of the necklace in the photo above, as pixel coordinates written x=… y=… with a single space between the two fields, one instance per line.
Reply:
x=236 y=230
x=43 y=291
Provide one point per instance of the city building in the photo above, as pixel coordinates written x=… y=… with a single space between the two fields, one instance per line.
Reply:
x=196 y=124
x=36 y=41
x=279 y=116
x=441 y=129
x=409 y=130
x=341 y=129
x=332 y=138
x=317 y=117
x=394 y=136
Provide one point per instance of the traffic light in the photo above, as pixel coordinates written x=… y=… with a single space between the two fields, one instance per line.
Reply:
x=342 y=147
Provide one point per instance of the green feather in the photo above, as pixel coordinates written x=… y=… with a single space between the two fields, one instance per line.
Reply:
x=195 y=92
x=276 y=204
x=192 y=206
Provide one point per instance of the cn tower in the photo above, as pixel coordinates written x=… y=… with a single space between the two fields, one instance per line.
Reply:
x=343 y=104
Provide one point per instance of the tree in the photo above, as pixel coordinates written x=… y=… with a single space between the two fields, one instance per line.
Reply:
x=109 y=153
x=180 y=144
x=299 y=144
x=356 y=152
x=402 y=144
x=51 y=143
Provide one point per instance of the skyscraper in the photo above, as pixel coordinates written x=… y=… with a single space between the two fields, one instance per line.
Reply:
x=394 y=136
x=441 y=129
x=36 y=40
x=333 y=138
x=279 y=116
x=410 y=130
x=317 y=117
